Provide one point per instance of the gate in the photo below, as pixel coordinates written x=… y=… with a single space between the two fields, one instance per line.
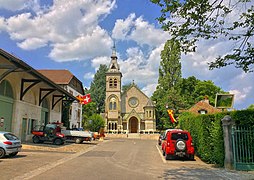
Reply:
x=243 y=147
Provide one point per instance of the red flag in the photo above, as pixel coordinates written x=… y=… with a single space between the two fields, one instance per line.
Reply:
x=171 y=116
x=86 y=99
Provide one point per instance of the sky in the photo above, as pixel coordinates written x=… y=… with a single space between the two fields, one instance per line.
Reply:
x=78 y=35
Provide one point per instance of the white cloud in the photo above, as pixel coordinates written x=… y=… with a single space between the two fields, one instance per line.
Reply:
x=139 y=30
x=32 y=43
x=13 y=5
x=83 y=47
x=66 y=26
x=89 y=76
x=149 y=89
x=123 y=27
x=96 y=62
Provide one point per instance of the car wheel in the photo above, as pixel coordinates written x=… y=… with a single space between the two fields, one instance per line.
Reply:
x=13 y=154
x=169 y=156
x=58 y=141
x=78 y=141
x=2 y=152
x=36 y=140
x=191 y=157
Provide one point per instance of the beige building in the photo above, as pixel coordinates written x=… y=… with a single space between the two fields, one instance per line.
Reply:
x=27 y=97
x=126 y=112
x=73 y=85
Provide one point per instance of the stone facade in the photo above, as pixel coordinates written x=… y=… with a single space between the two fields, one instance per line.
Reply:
x=126 y=112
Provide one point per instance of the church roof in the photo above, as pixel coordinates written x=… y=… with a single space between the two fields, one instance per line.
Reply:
x=150 y=103
x=135 y=86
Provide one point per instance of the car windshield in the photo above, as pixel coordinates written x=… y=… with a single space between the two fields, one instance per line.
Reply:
x=10 y=136
x=176 y=136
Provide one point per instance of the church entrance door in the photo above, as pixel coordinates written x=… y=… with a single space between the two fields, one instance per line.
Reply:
x=133 y=125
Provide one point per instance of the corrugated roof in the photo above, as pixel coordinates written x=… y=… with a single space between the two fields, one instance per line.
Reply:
x=61 y=76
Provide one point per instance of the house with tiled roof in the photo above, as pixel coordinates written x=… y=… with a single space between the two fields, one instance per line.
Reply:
x=203 y=107
x=73 y=85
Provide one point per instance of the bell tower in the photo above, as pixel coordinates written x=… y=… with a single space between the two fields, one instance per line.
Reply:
x=113 y=95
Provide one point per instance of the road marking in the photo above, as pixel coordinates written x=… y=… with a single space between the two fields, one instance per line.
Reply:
x=162 y=157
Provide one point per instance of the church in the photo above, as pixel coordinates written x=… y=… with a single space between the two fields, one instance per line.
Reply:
x=130 y=111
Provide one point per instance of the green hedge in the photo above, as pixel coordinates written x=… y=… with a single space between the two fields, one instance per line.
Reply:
x=207 y=132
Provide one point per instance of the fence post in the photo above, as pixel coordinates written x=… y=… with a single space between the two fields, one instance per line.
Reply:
x=227 y=123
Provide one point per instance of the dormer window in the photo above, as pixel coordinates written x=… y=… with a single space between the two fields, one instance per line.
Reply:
x=202 y=111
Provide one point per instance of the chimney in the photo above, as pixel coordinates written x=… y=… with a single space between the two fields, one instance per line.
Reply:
x=206 y=100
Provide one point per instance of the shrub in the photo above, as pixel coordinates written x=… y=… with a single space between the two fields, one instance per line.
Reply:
x=207 y=132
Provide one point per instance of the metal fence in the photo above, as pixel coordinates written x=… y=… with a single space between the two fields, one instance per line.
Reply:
x=243 y=147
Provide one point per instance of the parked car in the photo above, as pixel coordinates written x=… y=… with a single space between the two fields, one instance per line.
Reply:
x=178 y=143
x=9 y=144
x=163 y=135
x=160 y=139
x=48 y=133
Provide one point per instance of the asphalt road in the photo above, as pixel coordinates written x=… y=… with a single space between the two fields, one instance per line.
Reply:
x=113 y=159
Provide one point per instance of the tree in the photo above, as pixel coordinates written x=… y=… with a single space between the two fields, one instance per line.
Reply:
x=167 y=91
x=170 y=65
x=251 y=106
x=187 y=90
x=191 y=20
x=98 y=88
x=94 y=123
x=126 y=87
x=194 y=90
x=206 y=89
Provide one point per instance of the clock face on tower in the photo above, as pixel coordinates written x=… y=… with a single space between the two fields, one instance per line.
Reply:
x=133 y=102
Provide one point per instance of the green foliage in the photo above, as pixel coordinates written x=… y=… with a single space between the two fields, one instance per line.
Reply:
x=194 y=90
x=244 y=117
x=207 y=132
x=175 y=92
x=209 y=20
x=170 y=66
x=251 y=107
x=206 y=88
x=98 y=88
x=167 y=91
x=65 y=114
x=94 y=123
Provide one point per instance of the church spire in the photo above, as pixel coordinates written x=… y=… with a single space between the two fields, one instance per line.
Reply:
x=114 y=67
x=114 y=50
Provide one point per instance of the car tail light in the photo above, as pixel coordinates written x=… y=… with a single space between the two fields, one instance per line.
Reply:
x=60 y=135
x=8 y=142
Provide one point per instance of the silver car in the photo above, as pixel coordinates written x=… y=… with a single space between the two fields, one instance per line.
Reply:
x=9 y=144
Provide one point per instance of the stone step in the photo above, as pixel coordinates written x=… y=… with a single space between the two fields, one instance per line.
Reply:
x=134 y=136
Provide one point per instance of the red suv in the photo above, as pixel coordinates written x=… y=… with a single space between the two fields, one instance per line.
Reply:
x=178 y=143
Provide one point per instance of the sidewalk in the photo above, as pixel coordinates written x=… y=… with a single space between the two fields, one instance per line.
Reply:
x=66 y=147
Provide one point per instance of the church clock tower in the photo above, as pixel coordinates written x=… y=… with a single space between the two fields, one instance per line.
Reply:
x=113 y=95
